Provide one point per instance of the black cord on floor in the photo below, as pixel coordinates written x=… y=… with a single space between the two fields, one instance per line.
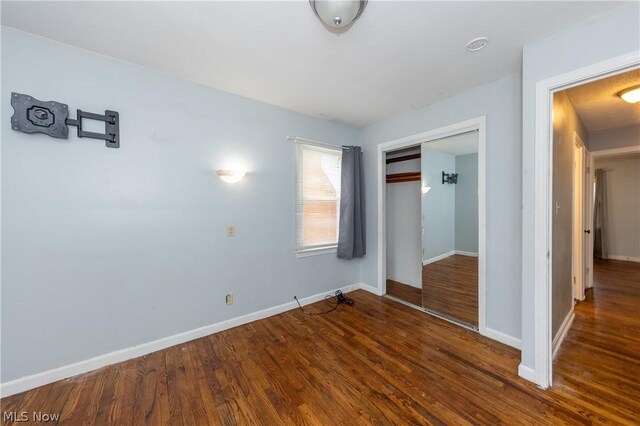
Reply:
x=327 y=297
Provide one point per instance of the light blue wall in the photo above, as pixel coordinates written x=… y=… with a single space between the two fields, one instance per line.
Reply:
x=500 y=101
x=467 y=203
x=438 y=205
x=612 y=34
x=104 y=248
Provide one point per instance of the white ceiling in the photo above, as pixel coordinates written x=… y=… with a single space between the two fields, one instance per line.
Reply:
x=398 y=56
x=598 y=105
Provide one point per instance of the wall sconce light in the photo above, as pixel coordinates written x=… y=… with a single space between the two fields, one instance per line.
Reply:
x=231 y=176
x=426 y=189
x=449 y=178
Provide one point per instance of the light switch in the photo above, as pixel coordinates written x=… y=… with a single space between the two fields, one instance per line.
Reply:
x=231 y=230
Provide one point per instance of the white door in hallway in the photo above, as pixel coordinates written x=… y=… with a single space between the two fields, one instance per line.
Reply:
x=589 y=192
x=579 y=170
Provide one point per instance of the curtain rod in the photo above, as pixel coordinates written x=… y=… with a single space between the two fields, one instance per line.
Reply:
x=293 y=138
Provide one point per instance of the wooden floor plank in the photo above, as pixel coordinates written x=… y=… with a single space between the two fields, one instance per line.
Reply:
x=405 y=292
x=450 y=288
x=377 y=362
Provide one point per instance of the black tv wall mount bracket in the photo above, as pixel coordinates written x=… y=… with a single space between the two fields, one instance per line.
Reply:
x=52 y=118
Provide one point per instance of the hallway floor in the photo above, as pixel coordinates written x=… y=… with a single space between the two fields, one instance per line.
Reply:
x=599 y=361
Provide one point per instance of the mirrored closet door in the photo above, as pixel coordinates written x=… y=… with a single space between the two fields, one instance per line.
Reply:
x=449 y=237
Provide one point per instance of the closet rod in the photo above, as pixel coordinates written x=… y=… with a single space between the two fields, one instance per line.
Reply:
x=403 y=158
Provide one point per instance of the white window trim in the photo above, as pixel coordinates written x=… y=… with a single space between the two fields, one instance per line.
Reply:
x=321 y=249
x=316 y=251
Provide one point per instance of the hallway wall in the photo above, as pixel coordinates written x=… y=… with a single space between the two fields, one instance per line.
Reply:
x=623 y=198
x=565 y=124
x=620 y=137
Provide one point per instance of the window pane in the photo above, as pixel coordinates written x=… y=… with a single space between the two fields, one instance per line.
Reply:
x=320 y=222
x=318 y=196
x=321 y=174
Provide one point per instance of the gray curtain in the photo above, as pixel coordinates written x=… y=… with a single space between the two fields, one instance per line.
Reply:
x=600 y=238
x=352 y=235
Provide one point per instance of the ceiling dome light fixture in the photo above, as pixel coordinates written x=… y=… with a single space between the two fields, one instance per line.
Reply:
x=477 y=44
x=338 y=15
x=631 y=94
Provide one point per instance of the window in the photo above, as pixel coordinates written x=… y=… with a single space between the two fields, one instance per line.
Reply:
x=317 y=197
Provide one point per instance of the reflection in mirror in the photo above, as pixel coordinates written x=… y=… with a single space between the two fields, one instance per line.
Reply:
x=449 y=205
x=403 y=245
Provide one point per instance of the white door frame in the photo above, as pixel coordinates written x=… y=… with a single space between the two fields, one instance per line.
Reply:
x=478 y=123
x=588 y=217
x=543 y=159
x=578 y=218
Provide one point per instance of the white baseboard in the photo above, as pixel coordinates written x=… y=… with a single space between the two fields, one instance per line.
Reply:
x=527 y=373
x=562 y=332
x=627 y=258
x=29 y=382
x=448 y=254
x=369 y=288
x=502 y=337
x=437 y=258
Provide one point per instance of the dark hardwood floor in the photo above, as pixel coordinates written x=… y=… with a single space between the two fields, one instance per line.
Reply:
x=450 y=288
x=376 y=362
x=404 y=292
x=599 y=360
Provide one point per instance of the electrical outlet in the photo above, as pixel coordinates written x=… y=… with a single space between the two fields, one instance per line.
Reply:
x=231 y=230
x=229 y=299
